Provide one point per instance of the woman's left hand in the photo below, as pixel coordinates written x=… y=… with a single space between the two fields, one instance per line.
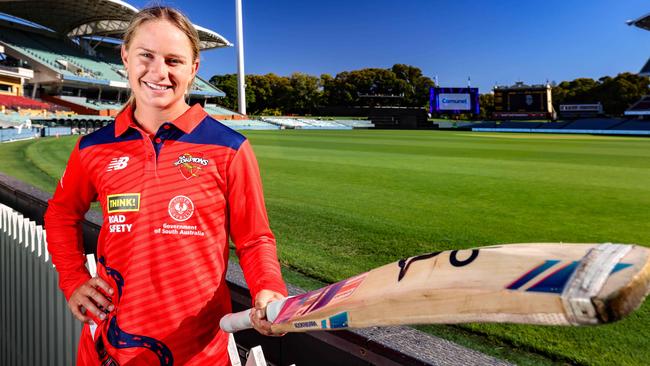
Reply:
x=258 y=313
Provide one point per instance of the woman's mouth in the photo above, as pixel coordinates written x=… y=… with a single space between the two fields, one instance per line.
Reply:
x=154 y=86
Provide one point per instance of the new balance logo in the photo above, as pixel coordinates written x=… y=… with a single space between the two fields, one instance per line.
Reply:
x=118 y=163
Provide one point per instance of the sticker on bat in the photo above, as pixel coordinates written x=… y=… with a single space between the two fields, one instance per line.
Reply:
x=555 y=281
x=339 y=320
x=404 y=264
x=317 y=299
x=305 y=324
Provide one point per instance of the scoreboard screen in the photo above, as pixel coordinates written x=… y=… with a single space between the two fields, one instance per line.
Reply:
x=531 y=101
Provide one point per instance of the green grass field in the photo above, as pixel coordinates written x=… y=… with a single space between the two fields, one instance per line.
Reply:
x=343 y=202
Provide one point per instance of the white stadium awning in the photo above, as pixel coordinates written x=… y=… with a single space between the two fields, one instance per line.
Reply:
x=642 y=22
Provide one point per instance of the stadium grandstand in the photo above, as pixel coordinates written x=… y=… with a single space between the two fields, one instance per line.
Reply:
x=641 y=109
x=60 y=63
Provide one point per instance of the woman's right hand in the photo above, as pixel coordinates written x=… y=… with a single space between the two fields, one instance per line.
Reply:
x=88 y=298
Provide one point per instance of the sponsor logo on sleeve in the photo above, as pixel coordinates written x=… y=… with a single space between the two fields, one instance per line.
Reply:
x=180 y=208
x=124 y=202
x=190 y=164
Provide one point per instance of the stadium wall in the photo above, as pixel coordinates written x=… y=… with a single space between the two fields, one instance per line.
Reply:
x=571 y=131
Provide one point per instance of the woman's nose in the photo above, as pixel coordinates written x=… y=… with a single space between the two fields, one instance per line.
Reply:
x=158 y=68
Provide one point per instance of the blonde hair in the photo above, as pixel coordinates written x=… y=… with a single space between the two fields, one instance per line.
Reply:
x=171 y=15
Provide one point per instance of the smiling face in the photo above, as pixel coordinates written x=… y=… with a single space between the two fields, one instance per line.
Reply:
x=160 y=65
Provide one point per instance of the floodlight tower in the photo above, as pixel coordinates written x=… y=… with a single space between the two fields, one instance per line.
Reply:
x=241 y=81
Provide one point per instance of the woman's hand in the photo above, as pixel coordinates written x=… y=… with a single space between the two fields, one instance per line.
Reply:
x=258 y=313
x=87 y=297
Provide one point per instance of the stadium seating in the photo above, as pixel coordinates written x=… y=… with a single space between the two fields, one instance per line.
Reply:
x=246 y=124
x=610 y=126
x=552 y=125
x=16 y=102
x=92 y=104
x=12 y=119
x=510 y=124
x=284 y=122
x=593 y=124
x=60 y=55
x=215 y=109
x=323 y=124
x=484 y=125
x=641 y=105
x=634 y=125
x=24 y=44
x=200 y=84
x=355 y=123
x=310 y=123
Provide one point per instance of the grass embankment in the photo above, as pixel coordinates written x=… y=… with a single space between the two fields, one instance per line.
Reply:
x=342 y=202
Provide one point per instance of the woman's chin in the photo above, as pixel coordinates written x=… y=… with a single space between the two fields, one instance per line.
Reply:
x=159 y=101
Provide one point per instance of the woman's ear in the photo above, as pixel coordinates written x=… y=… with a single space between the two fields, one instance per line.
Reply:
x=124 y=55
x=195 y=67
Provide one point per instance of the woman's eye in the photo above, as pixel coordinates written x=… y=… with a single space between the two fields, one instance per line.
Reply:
x=146 y=54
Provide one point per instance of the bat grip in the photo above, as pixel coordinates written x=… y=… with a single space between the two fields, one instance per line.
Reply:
x=235 y=322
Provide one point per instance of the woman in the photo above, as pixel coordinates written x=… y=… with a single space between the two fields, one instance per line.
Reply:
x=173 y=185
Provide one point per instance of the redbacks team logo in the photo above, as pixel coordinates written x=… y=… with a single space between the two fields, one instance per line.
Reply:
x=190 y=164
x=180 y=208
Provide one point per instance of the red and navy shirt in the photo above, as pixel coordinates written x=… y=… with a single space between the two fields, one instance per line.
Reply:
x=170 y=202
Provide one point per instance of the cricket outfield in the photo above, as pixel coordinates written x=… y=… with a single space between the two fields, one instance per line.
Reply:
x=343 y=202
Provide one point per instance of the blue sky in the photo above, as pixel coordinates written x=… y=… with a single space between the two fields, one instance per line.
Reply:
x=488 y=40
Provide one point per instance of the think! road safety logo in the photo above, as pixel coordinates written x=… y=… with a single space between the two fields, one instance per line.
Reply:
x=180 y=208
x=190 y=164
x=123 y=202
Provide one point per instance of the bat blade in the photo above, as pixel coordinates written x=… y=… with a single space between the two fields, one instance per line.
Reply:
x=542 y=283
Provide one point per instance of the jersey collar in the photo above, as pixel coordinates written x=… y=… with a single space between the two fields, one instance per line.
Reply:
x=186 y=122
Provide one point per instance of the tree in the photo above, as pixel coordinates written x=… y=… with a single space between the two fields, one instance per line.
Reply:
x=619 y=93
x=577 y=91
x=615 y=94
x=271 y=92
x=401 y=85
x=305 y=93
x=486 y=102
x=416 y=93
x=228 y=84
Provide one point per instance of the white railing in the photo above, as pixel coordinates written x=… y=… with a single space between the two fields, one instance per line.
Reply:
x=36 y=327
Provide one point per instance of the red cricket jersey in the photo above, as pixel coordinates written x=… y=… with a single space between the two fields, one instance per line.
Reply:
x=170 y=203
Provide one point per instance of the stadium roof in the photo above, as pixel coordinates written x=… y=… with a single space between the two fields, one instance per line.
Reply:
x=642 y=22
x=76 y=18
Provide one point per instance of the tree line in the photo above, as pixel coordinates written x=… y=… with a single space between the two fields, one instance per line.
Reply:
x=405 y=86
x=299 y=93
x=616 y=94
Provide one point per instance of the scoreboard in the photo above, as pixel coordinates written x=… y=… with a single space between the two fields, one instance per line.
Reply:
x=523 y=102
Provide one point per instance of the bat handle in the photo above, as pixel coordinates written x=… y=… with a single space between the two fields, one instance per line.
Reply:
x=235 y=322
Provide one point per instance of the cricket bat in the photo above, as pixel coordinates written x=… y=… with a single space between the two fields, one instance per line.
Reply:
x=542 y=283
